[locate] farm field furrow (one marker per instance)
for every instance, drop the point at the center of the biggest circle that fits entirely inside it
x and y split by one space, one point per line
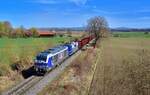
123 68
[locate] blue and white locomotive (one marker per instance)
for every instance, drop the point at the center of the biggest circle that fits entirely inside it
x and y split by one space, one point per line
50 58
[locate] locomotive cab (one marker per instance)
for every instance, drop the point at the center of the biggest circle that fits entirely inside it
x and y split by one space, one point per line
42 62
49 59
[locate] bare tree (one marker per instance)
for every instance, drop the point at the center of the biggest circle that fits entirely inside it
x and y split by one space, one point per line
8 28
69 33
98 26
5 28
20 32
34 32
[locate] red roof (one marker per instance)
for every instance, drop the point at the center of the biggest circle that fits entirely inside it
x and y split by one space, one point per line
46 33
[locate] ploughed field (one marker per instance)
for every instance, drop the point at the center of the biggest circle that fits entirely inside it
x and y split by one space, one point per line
123 67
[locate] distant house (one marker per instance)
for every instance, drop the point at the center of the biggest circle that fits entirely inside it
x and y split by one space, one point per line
45 33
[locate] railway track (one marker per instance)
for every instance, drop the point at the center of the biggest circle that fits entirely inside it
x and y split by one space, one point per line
35 84
24 86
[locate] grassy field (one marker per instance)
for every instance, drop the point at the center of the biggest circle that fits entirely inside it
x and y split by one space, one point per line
16 46
131 34
123 67
21 51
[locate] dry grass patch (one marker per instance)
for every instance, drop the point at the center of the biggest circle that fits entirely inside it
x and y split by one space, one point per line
9 79
123 70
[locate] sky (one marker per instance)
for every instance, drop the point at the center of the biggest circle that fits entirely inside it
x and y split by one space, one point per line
75 13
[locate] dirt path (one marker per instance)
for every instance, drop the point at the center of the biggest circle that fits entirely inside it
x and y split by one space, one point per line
97 80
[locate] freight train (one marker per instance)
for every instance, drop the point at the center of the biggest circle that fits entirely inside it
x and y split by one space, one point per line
49 59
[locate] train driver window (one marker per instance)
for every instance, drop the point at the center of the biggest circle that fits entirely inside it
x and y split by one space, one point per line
65 53
55 58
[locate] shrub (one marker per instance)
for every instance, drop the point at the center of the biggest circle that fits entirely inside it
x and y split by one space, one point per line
146 33
34 32
13 34
5 28
0 34
69 33
23 60
116 35
4 69
19 32
61 35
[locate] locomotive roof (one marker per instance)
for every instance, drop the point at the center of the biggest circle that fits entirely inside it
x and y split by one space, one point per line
44 54
52 50
56 49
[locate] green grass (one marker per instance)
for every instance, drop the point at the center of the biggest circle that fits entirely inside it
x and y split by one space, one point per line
12 49
131 34
21 52
29 41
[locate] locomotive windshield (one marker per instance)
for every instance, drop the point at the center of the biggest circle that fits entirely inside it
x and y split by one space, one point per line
41 58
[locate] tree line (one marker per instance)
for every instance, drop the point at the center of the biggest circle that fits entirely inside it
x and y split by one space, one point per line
6 30
96 25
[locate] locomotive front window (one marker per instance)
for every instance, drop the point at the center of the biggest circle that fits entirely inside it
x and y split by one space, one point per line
55 58
41 58
65 53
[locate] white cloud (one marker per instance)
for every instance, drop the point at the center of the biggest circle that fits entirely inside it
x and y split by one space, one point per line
46 1
79 2
119 12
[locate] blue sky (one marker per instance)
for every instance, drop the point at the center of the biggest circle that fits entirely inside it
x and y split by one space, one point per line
74 13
